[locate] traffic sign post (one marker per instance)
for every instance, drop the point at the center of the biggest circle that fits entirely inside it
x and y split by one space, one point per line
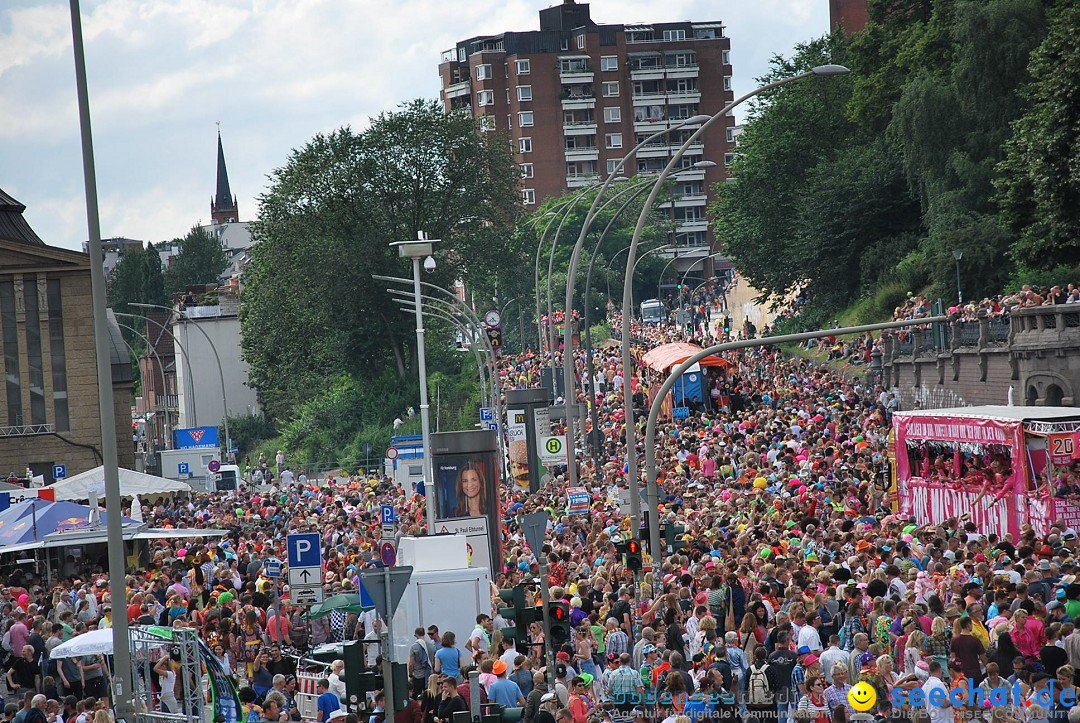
183 468
273 568
487 414
386 586
388 552
391 452
214 466
305 568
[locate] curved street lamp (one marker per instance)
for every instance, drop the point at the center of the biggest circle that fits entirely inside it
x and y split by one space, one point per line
628 401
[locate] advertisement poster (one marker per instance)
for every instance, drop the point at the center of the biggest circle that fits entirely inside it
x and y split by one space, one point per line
475 530
465 486
517 434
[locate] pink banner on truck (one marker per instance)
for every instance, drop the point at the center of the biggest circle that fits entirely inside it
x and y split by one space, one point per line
913 429
933 503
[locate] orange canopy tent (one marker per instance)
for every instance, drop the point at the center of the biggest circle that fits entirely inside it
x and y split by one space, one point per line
666 356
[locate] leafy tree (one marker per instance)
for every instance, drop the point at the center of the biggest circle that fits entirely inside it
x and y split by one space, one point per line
311 310
1039 183
201 260
137 278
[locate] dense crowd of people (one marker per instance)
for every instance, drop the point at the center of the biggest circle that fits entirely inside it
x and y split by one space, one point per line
793 580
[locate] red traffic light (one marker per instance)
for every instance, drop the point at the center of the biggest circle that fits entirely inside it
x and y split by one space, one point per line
633 547
558 613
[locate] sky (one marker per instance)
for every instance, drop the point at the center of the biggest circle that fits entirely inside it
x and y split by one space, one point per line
163 73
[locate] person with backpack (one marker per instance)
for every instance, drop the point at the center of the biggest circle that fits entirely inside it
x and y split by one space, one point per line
420 668
761 689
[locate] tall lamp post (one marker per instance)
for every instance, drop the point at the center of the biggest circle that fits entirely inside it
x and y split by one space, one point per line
417 250
628 399
122 680
221 372
959 295
185 358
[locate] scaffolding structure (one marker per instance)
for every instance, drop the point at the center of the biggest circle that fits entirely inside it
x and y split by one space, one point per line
147 648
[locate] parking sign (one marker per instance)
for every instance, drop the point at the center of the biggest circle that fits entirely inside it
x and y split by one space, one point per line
59 471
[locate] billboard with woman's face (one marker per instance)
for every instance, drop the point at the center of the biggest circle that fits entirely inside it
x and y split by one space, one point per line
464 485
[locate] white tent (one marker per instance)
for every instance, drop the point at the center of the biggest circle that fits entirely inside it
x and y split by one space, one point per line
132 483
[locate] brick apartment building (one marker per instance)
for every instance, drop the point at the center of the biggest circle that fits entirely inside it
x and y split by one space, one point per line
575 96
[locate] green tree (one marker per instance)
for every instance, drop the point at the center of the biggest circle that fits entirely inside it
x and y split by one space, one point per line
201 260
137 278
1039 182
311 311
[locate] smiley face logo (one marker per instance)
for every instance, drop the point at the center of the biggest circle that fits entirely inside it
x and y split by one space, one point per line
862 696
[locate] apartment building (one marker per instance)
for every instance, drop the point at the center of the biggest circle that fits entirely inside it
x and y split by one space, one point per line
576 96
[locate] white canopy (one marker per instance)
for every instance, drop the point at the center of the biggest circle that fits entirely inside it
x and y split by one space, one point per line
131 483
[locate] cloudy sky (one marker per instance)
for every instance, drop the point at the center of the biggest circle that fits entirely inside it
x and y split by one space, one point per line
273 72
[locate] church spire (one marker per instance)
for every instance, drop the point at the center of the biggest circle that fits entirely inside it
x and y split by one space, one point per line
223 204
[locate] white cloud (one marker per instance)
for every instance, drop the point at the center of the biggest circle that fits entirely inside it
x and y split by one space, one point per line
274 72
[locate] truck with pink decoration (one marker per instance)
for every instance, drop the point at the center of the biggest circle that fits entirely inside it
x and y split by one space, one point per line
999 467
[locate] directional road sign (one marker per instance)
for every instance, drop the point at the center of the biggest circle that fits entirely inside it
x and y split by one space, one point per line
272 568
305 550
487 414
59 471
305 577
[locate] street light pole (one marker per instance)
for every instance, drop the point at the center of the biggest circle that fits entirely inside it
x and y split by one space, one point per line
122 681
417 250
627 310
677 372
161 368
221 372
959 296
185 357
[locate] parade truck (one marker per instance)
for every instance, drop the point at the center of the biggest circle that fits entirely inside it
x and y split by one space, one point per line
1001 467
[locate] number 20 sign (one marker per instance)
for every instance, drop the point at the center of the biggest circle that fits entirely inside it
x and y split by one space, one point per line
1062 448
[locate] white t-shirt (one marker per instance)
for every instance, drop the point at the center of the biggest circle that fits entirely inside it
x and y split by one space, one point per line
808 636
943 712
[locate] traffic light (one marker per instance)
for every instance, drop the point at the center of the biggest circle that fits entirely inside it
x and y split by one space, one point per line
633 555
522 613
672 535
727 324
559 614
495 336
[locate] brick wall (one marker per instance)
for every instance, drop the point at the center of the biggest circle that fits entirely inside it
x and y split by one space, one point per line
956 379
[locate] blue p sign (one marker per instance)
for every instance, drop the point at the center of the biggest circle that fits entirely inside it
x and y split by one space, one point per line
183 468
59 471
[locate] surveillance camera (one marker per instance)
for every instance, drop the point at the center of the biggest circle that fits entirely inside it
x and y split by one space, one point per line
429 264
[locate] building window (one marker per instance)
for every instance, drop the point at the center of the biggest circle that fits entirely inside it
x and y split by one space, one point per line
730 135
487 122
524 67
564 44
681 60
727 82
524 92
485 97
729 158
61 421
35 369
526 170
525 118
11 353
483 72
611 88
506 70
614 140
613 115
609 62
528 196
612 165
726 57
581 42
674 35
524 145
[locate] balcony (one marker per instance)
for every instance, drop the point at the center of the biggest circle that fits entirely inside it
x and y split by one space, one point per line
578 180
458 89
687 226
649 72
576 76
656 97
684 96
691 174
687 200
689 70
584 153
167 402
654 150
578 102
579 128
